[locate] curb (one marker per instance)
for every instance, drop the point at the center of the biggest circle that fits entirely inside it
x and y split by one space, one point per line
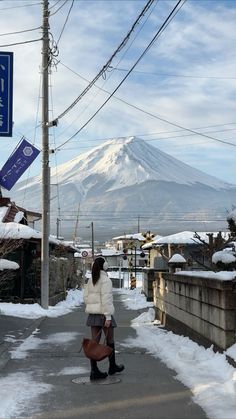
5 347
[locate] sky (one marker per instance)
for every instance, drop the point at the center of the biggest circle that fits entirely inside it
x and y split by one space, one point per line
186 78
213 382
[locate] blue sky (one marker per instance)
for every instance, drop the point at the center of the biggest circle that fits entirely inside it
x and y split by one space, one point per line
187 78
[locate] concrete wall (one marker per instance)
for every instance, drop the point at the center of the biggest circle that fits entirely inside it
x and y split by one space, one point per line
197 306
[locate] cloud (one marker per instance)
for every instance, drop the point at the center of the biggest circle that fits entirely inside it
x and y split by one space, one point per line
198 42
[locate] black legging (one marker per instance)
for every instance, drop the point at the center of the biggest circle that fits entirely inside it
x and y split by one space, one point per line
96 332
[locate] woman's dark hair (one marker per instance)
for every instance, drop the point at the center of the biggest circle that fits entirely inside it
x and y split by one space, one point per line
96 268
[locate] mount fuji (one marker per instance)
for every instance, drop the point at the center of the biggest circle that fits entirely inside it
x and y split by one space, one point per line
126 182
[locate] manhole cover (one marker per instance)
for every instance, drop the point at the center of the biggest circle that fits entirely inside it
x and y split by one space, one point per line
87 381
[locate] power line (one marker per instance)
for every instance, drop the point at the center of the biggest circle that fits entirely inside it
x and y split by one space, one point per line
67 17
174 11
20 43
141 213
110 73
127 103
150 139
54 5
150 114
18 7
59 8
23 31
124 41
173 75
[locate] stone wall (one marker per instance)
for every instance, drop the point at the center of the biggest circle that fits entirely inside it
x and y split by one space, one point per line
63 275
149 275
201 307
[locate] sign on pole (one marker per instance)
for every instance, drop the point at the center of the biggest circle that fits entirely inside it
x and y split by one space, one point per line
84 254
17 164
6 93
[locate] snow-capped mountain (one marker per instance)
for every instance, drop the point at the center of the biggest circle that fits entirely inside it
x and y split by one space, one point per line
122 179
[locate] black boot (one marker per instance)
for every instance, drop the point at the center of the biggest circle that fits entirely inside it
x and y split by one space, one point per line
113 367
96 374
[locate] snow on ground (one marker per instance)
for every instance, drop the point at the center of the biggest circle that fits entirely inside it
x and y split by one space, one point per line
33 342
34 311
209 376
72 371
134 300
18 392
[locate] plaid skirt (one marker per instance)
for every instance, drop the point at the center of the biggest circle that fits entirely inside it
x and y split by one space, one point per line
99 320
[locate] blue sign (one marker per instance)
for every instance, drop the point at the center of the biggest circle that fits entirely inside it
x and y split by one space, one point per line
17 164
6 93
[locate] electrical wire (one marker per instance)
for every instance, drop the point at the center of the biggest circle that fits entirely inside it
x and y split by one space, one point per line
173 75
55 156
105 67
174 11
34 140
67 17
20 43
59 8
23 31
54 5
147 113
119 139
111 73
18 7
127 103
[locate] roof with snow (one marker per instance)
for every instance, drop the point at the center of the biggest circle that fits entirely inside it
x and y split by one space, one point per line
10 212
8 264
18 231
184 237
135 236
177 258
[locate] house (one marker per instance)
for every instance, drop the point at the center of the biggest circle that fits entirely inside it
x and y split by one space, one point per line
132 246
10 212
22 244
194 247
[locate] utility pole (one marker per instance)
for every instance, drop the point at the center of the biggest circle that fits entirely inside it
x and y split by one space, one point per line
92 240
58 227
76 225
45 163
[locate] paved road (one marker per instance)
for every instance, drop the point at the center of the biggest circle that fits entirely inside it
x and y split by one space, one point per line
147 388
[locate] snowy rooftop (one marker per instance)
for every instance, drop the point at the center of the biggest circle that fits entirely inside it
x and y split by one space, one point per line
184 237
3 211
7 264
110 252
135 236
18 231
177 258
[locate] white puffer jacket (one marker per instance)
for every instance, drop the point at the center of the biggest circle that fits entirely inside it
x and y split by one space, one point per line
98 298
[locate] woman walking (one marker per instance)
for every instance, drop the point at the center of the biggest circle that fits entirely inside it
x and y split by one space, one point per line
99 306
